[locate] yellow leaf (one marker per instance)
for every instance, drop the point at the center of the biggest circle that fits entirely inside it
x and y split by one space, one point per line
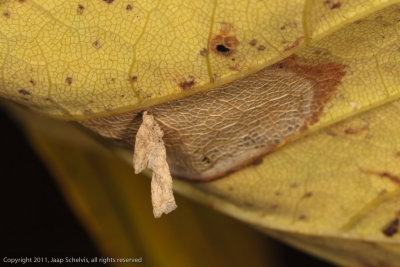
334 191
85 59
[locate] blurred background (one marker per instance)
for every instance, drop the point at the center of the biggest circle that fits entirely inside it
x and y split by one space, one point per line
37 221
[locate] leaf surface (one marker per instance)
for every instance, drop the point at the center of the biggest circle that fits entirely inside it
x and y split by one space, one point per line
333 192
90 58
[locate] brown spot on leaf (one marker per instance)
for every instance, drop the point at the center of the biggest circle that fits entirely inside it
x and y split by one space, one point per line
308 195
357 131
96 44
187 85
109 1
68 80
24 92
261 48
248 204
330 132
302 217
133 79
6 14
129 7
204 52
390 176
293 45
253 42
327 77
33 82
257 161
392 228
336 5
80 9
386 175
332 5
224 44
350 131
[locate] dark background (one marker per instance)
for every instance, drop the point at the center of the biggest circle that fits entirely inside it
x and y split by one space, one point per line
36 221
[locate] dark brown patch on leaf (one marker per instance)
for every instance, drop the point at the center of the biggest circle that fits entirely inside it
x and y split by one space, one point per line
293 45
332 5
133 79
308 195
261 48
96 44
392 228
6 14
257 161
24 92
129 7
68 80
386 175
248 204
80 9
327 77
108 1
204 52
224 44
352 131
330 132
187 85
302 217
253 42
33 82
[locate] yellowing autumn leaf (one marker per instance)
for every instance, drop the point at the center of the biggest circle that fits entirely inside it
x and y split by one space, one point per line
308 90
